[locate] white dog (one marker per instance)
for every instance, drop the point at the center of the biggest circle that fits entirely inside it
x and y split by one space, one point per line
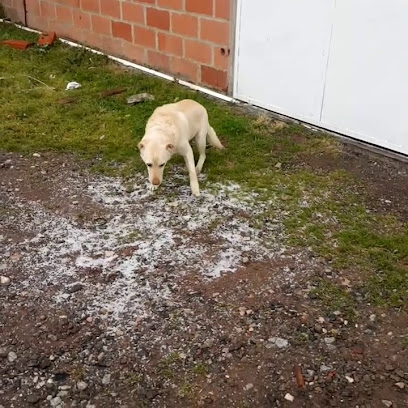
169 131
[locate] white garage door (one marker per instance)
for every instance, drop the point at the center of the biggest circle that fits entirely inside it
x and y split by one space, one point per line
339 64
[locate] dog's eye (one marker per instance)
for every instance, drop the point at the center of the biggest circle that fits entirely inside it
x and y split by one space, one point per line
149 164
162 165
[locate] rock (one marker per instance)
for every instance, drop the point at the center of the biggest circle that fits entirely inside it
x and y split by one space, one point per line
373 318
36 155
387 403
142 97
4 280
81 385
55 402
75 288
324 368
349 379
329 340
389 367
289 397
248 387
318 328
12 356
400 385
279 342
245 260
3 352
106 379
278 166
33 398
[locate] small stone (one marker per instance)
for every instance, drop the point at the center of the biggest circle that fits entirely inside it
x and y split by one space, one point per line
318 328
33 398
373 318
106 379
248 387
81 385
75 202
36 155
389 367
245 260
400 385
75 288
289 397
324 368
3 352
5 281
278 166
329 340
349 379
242 311
279 342
142 97
55 402
12 356
387 403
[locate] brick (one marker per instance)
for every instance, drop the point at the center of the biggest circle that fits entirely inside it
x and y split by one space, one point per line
110 8
144 36
47 10
64 14
101 25
184 24
158 18
33 8
197 51
122 30
215 78
223 9
158 60
135 13
134 52
69 3
81 20
90 5
200 6
92 39
112 45
171 4
184 69
214 31
170 44
221 58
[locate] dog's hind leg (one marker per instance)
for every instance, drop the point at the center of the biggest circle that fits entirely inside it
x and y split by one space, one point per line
189 159
201 142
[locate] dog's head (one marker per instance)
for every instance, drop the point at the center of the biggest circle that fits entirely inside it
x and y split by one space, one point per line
155 155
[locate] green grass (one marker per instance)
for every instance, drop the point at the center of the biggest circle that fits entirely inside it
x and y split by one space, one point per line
321 211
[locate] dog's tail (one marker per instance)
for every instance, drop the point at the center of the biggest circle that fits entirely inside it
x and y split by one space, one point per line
213 138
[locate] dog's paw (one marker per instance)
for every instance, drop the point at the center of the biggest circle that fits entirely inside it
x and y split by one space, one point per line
152 187
196 193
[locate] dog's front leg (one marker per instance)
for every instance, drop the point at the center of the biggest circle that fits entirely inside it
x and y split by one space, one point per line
189 159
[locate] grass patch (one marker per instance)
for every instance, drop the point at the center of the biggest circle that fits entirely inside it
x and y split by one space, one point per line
320 211
334 298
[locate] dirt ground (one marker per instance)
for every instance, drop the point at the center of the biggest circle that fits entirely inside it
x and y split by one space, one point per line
114 297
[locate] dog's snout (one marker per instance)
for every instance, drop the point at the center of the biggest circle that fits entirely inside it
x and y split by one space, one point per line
155 181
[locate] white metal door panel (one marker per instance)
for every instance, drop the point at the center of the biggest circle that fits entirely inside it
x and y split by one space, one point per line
366 93
281 54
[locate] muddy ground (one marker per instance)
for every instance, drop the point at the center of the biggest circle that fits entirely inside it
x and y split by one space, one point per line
114 297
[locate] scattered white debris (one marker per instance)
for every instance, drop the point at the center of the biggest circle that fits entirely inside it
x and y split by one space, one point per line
349 379
72 85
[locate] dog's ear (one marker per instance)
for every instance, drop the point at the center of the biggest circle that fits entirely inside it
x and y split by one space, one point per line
170 147
140 146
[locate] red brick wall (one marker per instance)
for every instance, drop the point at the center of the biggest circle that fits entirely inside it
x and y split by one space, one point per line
187 38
